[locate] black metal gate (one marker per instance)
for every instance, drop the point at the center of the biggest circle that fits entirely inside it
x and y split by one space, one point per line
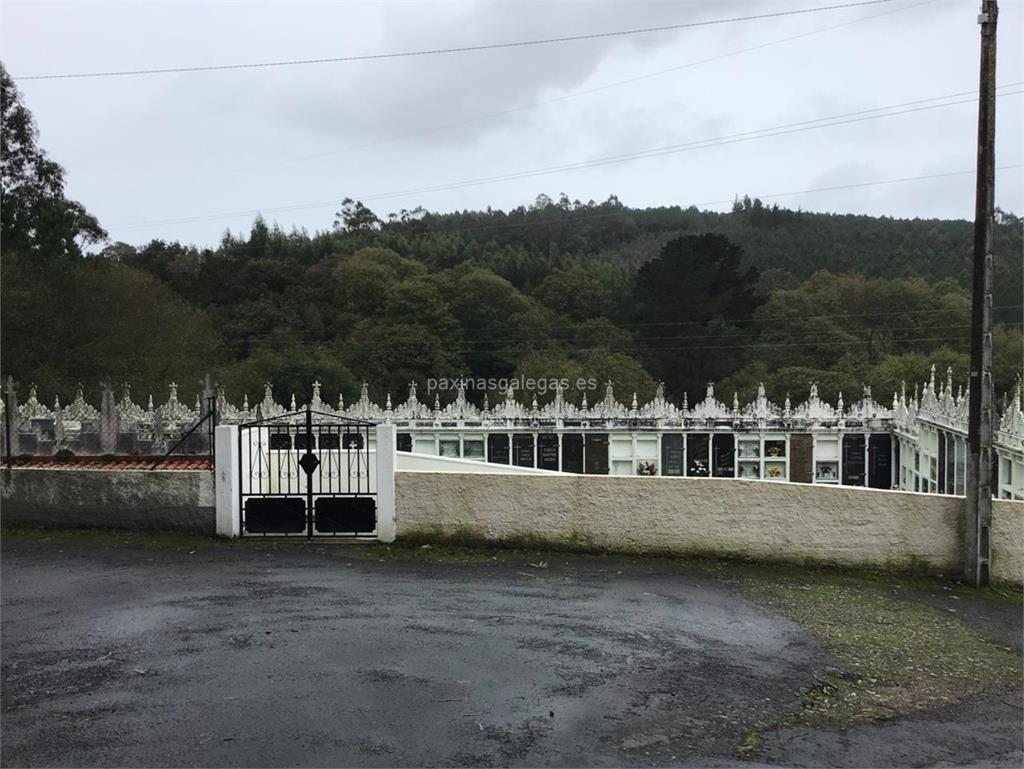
307 474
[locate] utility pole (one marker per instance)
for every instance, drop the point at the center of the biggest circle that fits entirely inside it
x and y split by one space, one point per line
978 519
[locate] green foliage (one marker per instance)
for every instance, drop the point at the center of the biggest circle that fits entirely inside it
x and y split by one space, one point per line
289 371
390 354
363 280
830 316
575 293
558 289
35 216
62 324
499 322
914 368
355 217
418 301
587 373
691 299
1007 359
793 381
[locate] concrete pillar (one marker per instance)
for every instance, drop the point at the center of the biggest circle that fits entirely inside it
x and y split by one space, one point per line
229 518
12 420
386 447
109 427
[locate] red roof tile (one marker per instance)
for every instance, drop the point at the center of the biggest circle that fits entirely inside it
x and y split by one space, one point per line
111 463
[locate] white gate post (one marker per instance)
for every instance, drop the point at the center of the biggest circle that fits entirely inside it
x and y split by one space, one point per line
386 445
226 462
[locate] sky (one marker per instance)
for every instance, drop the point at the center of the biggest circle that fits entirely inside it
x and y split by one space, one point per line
186 156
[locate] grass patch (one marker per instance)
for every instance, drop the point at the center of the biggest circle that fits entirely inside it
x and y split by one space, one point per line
898 656
467 548
886 580
457 551
175 540
751 744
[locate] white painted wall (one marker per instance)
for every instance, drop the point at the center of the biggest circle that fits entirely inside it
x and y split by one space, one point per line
758 519
385 467
225 443
432 463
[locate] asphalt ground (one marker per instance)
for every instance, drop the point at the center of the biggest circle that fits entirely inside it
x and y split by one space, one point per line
124 653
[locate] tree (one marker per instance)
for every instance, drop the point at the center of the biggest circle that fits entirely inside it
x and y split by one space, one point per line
592 368
914 368
35 216
99 321
390 354
626 374
794 381
290 370
575 293
691 300
486 292
499 322
418 300
355 217
364 279
601 334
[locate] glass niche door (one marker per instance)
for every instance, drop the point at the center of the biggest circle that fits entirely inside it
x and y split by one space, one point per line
698 455
547 451
748 457
673 454
572 453
723 456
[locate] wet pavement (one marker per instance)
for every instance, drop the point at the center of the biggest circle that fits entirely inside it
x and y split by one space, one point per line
242 655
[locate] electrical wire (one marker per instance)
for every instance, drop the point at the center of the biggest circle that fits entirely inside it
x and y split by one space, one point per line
571 220
775 318
566 97
349 346
781 130
483 345
451 49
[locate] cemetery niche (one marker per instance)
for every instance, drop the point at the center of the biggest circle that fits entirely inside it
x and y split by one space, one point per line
916 444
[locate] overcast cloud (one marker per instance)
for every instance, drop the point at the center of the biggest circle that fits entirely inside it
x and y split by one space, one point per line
202 145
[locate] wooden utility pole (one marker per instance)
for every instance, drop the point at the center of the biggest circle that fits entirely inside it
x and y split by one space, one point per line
978 519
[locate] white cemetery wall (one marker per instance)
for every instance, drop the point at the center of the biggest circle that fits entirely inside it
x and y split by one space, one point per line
756 519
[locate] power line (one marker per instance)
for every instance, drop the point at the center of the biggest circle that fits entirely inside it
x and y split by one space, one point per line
847 118
348 346
674 149
484 345
569 221
611 348
453 49
875 183
825 316
467 345
572 95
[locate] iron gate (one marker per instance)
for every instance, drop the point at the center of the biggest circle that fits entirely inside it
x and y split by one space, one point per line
307 473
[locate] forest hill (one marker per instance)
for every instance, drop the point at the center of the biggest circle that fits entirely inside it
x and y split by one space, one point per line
556 290
560 289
